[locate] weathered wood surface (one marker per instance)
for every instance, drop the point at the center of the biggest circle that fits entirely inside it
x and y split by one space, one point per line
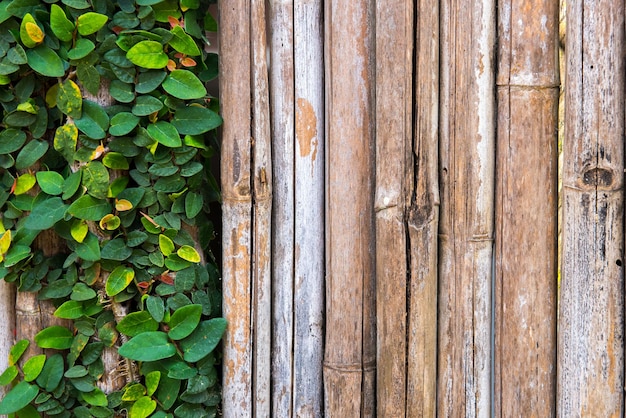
394 138
467 155
423 217
283 249
235 87
7 326
261 171
308 346
526 208
350 344
591 308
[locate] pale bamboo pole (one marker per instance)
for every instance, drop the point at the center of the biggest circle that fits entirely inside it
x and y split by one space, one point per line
590 377
283 248
394 177
235 101
423 218
350 351
467 153
262 213
308 346
526 208
7 325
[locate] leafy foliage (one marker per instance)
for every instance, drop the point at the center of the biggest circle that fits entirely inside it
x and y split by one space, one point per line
124 183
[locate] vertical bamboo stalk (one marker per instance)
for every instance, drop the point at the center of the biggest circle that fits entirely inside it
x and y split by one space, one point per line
283 248
467 154
423 219
526 208
262 213
235 86
309 208
590 377
394 137
350 352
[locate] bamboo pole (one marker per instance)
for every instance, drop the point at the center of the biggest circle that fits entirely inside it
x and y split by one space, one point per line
309 206
394 137
423 220
526 208
283 248
590 377
262 212
235 86
466 216
350 351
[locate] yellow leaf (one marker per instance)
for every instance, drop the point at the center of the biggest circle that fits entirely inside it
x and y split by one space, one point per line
24 183
5 242
122 205
79 230
51 96
34 32
187 252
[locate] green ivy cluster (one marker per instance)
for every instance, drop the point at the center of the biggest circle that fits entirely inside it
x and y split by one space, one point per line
124 184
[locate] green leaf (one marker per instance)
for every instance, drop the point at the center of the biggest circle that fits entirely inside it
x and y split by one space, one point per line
89 208
123 123
175 263
183 43
143 407
122 92
82 48
95 398
16 254
90 22
148 346
119 279
133 392
17 351
203 340
45 214
116 249
89 249
193 204
45 61
70 99
148 54
136 323
188 253
50 182
56 336
164 9
156 307
30 154
65 140
148 2
52 373
195 120
94 121
165 133
96 179
166 245
61 26
89 77
11 140
8 375
21 395
82 292
19 118
70 309
33 367
17 55
184 321
115 160
184 84
149 81
146 105
76 371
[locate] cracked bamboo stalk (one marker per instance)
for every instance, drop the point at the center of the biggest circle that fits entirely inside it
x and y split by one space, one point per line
467 155
590 376
526 208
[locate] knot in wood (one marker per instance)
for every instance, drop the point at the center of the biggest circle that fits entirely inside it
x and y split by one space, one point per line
598 177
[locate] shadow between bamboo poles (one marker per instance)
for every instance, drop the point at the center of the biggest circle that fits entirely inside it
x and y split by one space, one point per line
423 218
283 246
308 295
526 208
349 357
467 119
590 377
235 93
394 176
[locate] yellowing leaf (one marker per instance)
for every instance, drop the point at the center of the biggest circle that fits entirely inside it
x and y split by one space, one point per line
51 95
24 183
166 245
5 243
109 222
122 205
34 32
188 253
65 140
79 230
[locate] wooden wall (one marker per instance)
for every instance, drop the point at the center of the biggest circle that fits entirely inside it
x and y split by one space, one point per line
390 183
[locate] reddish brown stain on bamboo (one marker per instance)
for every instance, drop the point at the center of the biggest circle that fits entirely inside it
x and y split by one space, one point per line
306 128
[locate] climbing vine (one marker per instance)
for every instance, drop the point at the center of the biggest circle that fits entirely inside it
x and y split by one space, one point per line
106 131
